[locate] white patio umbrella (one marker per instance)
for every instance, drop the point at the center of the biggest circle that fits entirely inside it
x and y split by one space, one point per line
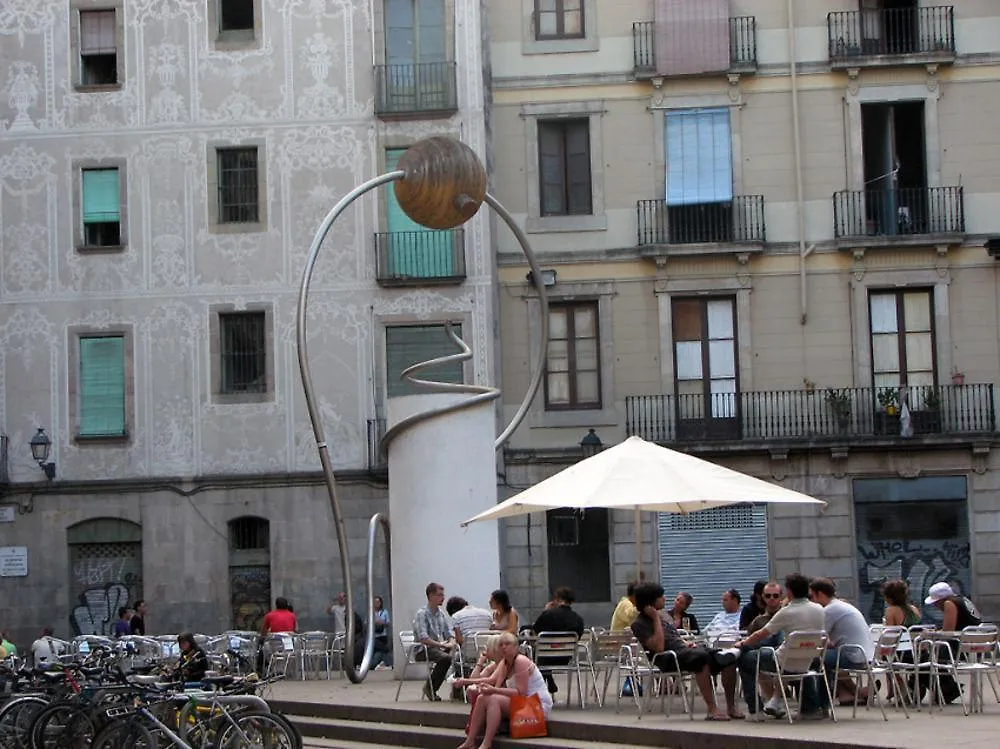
639 475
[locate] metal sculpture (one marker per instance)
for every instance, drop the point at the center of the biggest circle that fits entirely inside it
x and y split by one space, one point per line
440 183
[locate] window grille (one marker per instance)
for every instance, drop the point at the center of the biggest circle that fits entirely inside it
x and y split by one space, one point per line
238 187
734 517
243 350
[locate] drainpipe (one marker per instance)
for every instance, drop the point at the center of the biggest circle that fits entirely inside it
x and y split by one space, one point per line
797 143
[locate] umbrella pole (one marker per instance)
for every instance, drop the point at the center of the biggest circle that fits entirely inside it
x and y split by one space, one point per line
638 544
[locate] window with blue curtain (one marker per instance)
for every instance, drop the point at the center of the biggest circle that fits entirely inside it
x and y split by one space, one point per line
699 157
102 386
101 200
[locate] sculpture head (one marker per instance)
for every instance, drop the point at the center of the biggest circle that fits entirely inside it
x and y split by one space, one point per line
445 183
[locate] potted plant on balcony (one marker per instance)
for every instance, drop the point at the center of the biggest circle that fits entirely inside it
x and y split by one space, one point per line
887 417
839 401
927 417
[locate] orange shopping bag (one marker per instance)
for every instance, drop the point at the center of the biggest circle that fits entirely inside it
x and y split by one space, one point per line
527 719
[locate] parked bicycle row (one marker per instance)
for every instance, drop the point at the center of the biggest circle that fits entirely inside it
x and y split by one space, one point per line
126 693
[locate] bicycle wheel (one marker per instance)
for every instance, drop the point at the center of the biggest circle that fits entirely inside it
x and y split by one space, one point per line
61 727
16 718
125 733
257 730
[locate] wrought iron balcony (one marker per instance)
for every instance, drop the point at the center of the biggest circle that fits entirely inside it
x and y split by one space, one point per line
410 258
742 46
425 88
824 414
738 220
901 212
882 36
376 460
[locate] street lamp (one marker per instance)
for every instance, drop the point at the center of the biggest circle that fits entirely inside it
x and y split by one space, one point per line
40 445
591 444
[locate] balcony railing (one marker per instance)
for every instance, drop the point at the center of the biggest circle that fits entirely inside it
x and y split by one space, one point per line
833 415
376 431
893 32
901 212
738 220
405 258
417 88
742 45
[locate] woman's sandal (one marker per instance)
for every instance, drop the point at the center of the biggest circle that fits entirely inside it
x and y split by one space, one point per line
721 717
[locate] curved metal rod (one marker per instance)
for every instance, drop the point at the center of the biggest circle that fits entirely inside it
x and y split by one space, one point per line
377 520
543 340
314 417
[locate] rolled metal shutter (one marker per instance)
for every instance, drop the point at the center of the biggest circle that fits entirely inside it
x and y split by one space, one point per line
710 551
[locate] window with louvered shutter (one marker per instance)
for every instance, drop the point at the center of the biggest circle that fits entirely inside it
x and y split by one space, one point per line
98 48
102 386
406 345
101 207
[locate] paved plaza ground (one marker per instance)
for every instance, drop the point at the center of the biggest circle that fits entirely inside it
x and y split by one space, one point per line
372 701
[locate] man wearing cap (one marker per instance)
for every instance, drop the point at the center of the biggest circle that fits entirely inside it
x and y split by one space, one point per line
959 613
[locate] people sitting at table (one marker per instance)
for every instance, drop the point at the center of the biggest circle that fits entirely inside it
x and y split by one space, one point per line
435 630
959 612
899 610
754 607
625 612
747 664
468 619
727 620
799 615
679 614
493 701
844 626
505 616
558 616
658 636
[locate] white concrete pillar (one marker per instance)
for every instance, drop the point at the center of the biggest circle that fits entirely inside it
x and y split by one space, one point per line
441 472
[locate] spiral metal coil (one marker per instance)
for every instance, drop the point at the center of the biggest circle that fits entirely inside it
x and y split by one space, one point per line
477 395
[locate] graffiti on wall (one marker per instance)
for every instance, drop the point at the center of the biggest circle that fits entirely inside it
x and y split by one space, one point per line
89 572
98 609
251 595
920 562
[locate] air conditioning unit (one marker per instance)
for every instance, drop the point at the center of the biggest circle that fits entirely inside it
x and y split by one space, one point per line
993 247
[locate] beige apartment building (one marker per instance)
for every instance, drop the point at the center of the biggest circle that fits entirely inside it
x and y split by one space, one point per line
164 165
778 267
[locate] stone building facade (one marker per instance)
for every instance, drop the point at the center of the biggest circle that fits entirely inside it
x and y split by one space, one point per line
164 165
780 268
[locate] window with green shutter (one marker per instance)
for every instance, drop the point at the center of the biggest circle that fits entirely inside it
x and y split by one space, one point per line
101 207
102 386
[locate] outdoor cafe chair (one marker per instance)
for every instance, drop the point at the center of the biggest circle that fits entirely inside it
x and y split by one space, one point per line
314 653
881 666
564 647
605 659
279 651
634 667
798 646
976 657
414 654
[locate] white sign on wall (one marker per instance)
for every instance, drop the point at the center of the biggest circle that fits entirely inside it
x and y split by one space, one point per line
13 561
7 514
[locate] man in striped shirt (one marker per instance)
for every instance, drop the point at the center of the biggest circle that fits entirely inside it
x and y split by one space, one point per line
468 619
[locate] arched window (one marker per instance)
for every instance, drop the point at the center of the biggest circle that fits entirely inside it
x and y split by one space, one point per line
105 561
249 571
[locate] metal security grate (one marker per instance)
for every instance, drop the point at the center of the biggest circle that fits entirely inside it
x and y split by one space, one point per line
244 352
249 533
737 516
238 193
